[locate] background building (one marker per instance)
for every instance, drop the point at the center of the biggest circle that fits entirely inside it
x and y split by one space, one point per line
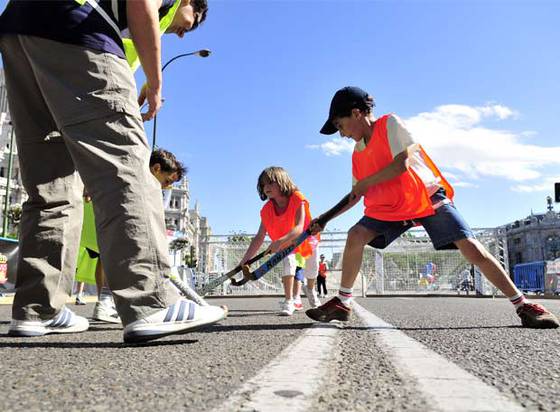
535 238
8 152
187 224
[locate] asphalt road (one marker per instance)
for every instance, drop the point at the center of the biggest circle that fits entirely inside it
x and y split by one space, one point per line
95 371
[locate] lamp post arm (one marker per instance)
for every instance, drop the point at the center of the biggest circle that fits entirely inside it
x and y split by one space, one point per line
201 53
177 57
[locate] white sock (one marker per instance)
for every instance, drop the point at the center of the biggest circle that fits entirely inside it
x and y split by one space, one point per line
518 300
345 296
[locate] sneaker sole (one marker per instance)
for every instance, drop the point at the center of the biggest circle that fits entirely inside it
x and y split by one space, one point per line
148 332
25 333
31 332
106 319
543 324
317 317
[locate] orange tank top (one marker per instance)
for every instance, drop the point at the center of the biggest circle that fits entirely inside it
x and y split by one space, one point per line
277 225
402 198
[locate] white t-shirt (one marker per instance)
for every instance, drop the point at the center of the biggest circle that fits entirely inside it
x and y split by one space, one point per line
399 139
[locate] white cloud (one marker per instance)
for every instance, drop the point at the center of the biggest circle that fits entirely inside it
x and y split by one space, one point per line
334 147
545 185
463 184
456 138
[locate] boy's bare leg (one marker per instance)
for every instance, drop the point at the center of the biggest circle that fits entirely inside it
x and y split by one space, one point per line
532 314
339 308
477 254
358 237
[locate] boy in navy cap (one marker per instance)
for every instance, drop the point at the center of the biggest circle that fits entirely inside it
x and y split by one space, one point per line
402 187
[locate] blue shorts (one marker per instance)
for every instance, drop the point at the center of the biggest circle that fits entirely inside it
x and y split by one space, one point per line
444 228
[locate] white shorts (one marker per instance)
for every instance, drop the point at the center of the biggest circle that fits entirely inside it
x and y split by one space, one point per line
311 265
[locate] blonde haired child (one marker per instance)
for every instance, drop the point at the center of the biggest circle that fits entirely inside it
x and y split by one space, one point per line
284 217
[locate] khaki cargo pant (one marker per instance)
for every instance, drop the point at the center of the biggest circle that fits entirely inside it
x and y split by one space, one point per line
75 115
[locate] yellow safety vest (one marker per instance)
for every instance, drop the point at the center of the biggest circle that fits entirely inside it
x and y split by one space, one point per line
129 48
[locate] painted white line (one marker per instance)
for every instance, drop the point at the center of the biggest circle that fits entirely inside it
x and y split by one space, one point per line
289 381
446 386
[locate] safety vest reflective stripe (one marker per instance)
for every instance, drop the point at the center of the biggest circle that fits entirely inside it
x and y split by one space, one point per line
115 8
129 49
164 23
95 5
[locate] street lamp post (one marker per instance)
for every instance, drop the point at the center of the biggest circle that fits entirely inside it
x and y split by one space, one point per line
200 53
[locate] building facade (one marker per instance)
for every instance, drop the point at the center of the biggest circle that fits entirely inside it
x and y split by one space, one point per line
10 177
535 238
185 223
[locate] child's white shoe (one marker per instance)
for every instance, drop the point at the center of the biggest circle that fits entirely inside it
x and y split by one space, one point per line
287 308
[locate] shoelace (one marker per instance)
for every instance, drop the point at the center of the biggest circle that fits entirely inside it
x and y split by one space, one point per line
535 307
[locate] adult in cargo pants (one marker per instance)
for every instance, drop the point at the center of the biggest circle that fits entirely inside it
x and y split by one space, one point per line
75 114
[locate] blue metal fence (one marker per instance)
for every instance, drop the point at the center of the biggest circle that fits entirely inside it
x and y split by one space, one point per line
529 277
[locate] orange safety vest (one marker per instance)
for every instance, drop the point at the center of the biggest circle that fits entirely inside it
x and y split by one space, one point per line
278 225
402 198
323 269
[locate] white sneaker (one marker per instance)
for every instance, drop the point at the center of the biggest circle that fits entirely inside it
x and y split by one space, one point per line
298 306
287 308
80 300
104 311
65 321
181 317
311 294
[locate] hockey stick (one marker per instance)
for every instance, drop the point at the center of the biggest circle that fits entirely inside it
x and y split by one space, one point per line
218 281
277 258
185 289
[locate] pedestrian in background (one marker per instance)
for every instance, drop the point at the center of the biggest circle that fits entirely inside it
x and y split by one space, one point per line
322 277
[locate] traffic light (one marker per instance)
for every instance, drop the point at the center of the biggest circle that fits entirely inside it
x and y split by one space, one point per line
557 192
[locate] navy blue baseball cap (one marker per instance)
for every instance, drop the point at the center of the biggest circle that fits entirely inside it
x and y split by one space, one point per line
343 101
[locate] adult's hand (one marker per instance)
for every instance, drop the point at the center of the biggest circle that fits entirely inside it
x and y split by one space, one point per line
143 24
151 95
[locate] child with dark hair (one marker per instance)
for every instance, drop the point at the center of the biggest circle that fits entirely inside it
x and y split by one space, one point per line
284 217
167 170
402 187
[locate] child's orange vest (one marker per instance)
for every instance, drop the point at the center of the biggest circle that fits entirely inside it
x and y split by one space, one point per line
278 225
402 198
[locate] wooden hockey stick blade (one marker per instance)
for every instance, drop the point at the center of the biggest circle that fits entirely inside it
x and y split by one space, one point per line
246 276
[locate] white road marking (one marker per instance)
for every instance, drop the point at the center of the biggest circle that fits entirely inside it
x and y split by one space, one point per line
290 380
446 386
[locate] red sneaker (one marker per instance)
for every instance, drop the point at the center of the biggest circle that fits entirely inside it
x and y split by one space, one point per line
334 309
536 316
298 305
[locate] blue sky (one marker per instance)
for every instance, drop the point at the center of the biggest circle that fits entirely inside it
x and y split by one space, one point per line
475 81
